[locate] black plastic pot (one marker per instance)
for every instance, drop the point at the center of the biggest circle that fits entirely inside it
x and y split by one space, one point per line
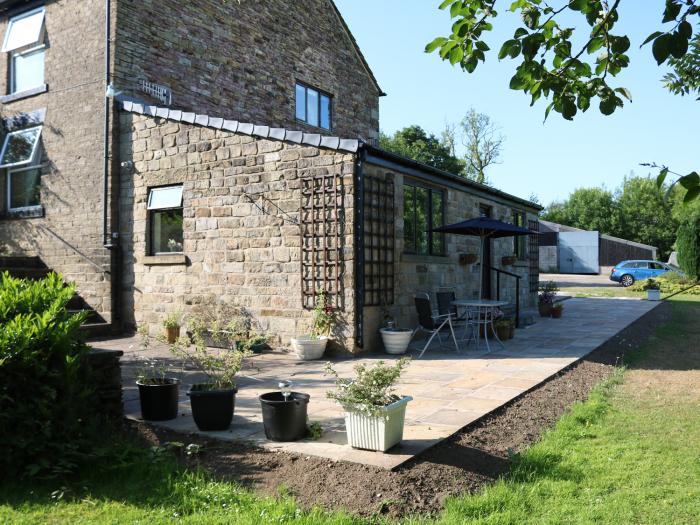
284 420
212 409
159 401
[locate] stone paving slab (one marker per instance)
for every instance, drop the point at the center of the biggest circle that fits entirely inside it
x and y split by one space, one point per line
450 390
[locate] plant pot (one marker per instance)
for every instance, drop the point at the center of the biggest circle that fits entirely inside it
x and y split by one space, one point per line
284 419
511 331
503 332
653 295
159 402
308 348
212 409
172 334
556 313
379 432
545 309
508 260
396 340
468 258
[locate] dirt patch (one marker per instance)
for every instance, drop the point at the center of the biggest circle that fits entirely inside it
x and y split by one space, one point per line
467 461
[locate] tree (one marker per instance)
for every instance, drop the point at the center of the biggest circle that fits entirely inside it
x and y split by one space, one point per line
688 243
587 208
413 142
685 78
573 71
483 144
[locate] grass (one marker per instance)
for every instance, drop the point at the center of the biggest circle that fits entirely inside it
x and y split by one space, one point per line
626 455
601 291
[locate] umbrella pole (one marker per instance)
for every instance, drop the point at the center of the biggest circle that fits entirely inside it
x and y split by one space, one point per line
481 266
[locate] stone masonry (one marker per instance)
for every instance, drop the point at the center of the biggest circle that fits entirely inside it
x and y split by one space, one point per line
238 248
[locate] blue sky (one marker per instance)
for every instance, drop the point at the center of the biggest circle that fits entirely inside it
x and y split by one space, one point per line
546 159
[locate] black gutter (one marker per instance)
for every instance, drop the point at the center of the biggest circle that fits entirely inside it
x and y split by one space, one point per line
106 237
359 247
417 169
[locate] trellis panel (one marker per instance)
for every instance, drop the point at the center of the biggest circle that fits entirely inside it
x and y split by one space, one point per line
379 240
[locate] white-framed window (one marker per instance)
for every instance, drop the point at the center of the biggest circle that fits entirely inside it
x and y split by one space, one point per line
24 40
165 220
313 106
20 156
23 188
20 148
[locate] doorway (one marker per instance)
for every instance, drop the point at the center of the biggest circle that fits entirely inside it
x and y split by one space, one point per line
486 211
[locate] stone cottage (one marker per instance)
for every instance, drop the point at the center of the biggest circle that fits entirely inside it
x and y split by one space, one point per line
206 153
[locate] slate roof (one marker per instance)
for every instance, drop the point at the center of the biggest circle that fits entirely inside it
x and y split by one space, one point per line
245 128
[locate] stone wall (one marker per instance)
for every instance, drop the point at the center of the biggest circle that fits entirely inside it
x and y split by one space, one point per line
71 140
105 372
419 273
240 251
242 59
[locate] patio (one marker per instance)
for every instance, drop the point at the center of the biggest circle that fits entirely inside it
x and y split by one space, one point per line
450 390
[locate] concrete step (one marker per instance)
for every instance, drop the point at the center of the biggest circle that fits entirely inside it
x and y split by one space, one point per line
7 262
97 330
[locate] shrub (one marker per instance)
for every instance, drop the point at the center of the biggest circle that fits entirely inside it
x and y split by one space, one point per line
688 245
45 403
668 283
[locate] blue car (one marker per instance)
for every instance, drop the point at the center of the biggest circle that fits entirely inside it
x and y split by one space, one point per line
627 272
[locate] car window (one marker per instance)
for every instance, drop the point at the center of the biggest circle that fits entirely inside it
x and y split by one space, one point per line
656 266
636 264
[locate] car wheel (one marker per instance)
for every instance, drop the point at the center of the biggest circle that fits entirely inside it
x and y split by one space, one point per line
626 280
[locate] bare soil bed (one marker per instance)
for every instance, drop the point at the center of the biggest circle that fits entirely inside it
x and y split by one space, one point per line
475 456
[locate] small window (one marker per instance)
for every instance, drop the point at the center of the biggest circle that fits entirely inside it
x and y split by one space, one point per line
313 106
24 40
518 240
165 220
23 189
20 147
423 210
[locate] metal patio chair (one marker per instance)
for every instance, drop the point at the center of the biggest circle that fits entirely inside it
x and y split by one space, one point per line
431 321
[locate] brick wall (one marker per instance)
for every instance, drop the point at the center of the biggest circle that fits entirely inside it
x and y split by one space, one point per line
242 59
71 183
234 253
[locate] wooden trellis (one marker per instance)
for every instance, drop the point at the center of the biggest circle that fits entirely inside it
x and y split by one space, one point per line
534 256
321 226
378 240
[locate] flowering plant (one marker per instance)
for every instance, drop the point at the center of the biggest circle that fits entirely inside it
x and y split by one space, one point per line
548 291
325 316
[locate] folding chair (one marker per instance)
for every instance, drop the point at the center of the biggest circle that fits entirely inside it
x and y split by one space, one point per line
431 322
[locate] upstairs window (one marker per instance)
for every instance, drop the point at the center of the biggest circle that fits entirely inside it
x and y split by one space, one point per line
20 156
423 210
165 220
24 40
313 106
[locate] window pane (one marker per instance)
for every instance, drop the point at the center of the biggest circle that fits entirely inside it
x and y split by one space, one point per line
312 107
166 231
161 198
24 30
422 214
409 220
325 112
24 188
301 102
27 70
438 247
19 147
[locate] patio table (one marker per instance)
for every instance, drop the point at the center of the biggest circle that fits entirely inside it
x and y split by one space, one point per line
480 312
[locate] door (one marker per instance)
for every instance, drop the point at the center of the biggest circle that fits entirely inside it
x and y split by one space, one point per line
578 252
656 269
486 258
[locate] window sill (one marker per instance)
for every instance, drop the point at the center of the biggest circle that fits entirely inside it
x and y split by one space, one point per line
164 260
35 212
6 99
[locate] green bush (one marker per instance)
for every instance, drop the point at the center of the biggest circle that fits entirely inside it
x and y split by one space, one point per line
45 401
669 283
688 245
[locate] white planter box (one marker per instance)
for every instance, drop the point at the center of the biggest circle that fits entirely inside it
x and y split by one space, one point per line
395 341
308 348
377 433
653 295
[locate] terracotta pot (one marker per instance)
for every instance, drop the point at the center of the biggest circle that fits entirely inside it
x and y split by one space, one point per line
556 313
503 332
172 334
545 309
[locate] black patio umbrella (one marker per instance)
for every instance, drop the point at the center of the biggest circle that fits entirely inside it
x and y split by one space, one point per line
484 228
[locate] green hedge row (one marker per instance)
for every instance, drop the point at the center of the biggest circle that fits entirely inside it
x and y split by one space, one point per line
46 408
669 283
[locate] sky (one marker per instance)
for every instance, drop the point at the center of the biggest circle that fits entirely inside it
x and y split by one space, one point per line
547 159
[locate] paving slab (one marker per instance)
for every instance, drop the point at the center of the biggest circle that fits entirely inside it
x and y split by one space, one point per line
450 389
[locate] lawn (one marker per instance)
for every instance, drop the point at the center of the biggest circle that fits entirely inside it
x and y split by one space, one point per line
600 291
626 455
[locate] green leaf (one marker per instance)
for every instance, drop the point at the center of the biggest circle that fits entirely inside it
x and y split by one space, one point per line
505 48
689 181
661 48
624 92
691 194
520 32
653 36
619 44
607 106
672 10
685 29
518 82
445 3
595 44
438 42
456 55
679 45
661 177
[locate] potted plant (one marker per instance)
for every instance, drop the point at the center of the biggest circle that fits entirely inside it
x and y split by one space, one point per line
284 413
509 260
395 339
653 289
172 327
545 298
238 333
374 415
504 329
312 346
159 393
212 401
557 309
